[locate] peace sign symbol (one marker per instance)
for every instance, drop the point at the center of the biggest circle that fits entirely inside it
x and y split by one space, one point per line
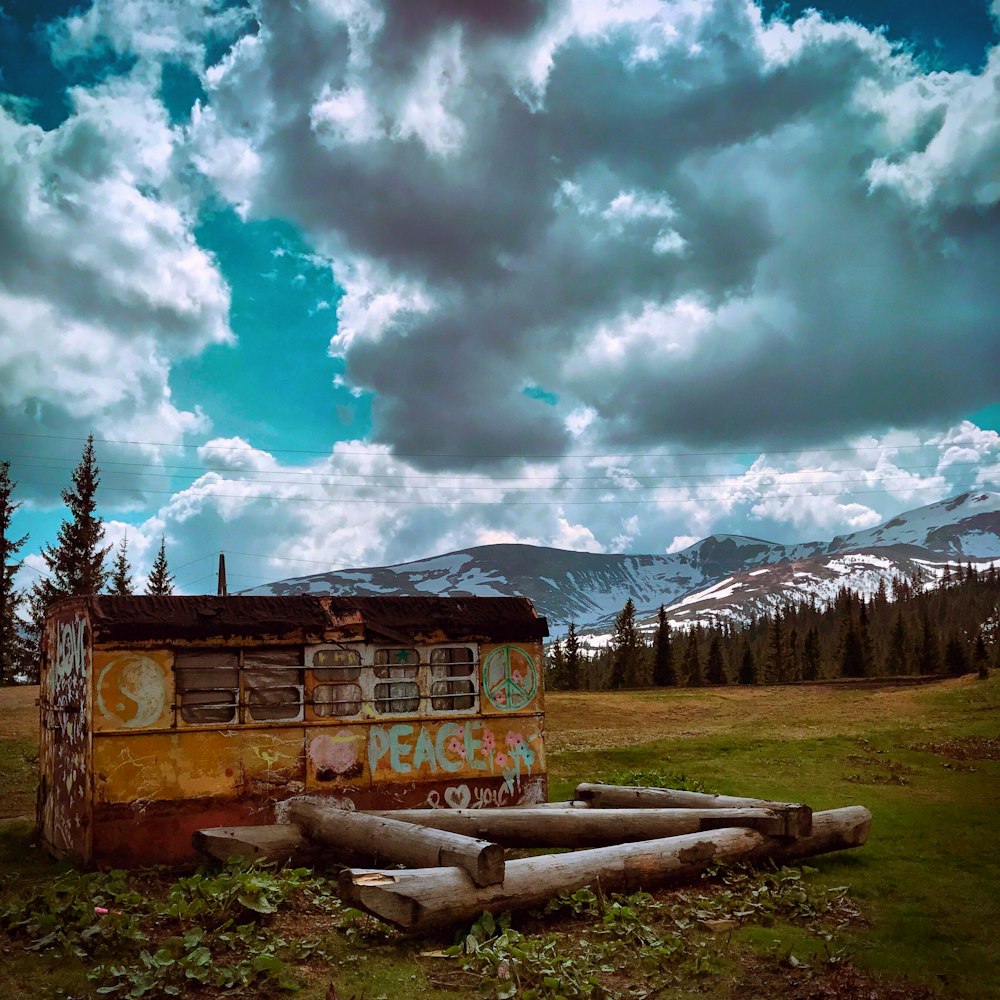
510 678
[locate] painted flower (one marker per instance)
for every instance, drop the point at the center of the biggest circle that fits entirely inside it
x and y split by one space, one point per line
516 676
500 696
457 746
489 741
502 760
513 740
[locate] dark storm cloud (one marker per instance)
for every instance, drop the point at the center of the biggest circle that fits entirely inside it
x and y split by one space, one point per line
809 192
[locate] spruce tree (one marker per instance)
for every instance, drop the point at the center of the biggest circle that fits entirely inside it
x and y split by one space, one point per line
929 653
715 666
776 650
955 660
811 655
692 661
980 658
120 584
898 658
664 674
557 667
574 664
626 647
76 562
14 652
160 582
748 666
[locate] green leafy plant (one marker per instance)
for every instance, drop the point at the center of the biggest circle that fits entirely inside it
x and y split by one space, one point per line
211 928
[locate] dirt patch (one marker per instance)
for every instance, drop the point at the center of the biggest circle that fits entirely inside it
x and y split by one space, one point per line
965 748
839 981
18 712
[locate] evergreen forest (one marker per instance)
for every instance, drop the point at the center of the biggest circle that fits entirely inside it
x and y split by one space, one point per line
903 630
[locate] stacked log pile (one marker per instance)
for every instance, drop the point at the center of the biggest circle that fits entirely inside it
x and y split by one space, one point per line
623 838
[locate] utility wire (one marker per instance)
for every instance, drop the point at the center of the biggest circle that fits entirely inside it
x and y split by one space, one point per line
506 501
467 455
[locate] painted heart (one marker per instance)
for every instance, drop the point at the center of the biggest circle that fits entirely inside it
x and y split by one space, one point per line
457 797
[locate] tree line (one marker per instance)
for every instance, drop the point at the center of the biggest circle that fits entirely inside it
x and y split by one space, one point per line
901 630
76 565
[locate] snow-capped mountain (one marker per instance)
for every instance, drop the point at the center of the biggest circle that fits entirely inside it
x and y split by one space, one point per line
731 576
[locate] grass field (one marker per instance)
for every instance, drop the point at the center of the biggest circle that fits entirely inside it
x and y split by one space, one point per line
919 917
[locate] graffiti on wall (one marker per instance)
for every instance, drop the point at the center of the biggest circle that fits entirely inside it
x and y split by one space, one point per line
65 737
426 750
510 678
131 691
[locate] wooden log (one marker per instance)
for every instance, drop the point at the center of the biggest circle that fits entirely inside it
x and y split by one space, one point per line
798 817
273 842
832 830
424 900
399 842
571 827
421 900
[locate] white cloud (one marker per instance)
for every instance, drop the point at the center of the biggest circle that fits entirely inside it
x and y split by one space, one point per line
681 542
102 284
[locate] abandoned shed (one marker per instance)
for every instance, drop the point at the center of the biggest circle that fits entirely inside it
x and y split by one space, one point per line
164 715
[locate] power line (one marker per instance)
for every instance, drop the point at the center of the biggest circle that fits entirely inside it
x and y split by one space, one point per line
469 455
544 482
507 502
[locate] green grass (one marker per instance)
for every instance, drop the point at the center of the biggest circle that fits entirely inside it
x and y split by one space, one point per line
927 883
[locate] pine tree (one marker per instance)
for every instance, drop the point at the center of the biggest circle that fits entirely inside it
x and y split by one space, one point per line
898 660
160 582
715 666
692 661
574 663
929 654
980 658
121 573
811 655
626 647
776 650
76 562
14 652
664 674
852 657
955 660
557 667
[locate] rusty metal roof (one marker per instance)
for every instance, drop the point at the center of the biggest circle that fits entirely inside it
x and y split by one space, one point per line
306 618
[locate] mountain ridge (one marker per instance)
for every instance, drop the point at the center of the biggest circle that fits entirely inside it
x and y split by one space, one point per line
590 588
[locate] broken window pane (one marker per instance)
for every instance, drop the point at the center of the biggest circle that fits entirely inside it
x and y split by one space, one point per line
207 686
273 682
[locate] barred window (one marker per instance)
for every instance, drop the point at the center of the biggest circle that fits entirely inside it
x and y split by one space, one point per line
336 676
399 668
273 682
208 685
452 684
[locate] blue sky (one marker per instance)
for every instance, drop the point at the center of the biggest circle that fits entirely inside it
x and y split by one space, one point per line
364 281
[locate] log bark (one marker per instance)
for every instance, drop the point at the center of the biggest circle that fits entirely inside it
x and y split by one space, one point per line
399 842
274 842
798 817
832 830
572 827
425 900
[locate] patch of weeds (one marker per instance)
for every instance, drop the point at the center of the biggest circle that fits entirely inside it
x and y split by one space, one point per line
212 928
655 778
628 945
885 770
509 964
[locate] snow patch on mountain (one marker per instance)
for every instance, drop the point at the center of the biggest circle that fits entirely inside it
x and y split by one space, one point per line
721 577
